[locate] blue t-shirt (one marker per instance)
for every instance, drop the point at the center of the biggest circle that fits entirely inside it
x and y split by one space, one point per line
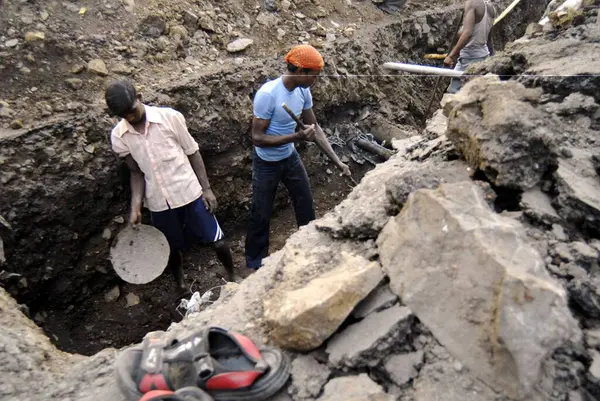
267 106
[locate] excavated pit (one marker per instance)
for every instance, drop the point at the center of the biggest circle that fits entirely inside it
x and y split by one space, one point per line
64 194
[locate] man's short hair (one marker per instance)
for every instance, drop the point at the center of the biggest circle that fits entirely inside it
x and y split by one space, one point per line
120 97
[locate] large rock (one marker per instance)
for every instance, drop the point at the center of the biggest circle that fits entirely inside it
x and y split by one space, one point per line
302 319
382 193
498 130
470 276
578 186
354 388
370 339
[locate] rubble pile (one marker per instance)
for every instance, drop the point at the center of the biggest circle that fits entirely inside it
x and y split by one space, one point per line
423 285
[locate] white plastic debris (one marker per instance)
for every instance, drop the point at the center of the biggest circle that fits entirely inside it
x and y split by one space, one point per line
196 303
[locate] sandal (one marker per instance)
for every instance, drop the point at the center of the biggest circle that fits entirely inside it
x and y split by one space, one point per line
225 364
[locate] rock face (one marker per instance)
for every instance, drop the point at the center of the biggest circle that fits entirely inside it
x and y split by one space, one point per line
302 319
495 307
497 129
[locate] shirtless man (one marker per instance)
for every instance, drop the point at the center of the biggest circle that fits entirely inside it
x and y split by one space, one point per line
475 41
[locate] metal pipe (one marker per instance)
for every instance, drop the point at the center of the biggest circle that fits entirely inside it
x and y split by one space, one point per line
423 69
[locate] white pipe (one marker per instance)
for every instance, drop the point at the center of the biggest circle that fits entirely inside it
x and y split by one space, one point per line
423 69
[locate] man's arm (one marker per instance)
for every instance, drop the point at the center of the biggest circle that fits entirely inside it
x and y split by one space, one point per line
490 42
210 200
138 186
308 117
465 36
261 139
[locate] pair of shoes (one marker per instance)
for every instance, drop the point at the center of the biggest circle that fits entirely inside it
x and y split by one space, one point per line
218 364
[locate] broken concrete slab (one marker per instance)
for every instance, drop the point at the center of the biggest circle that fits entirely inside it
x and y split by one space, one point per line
367 341
441 381
302 319
403 367
578 186
308 378
494 125
380 298
495 306
354 388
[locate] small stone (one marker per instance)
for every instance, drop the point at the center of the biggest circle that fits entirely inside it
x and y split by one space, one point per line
74 83
129 5
44 15
30 58
404 367
354 388
34 36
23 283
132 300
106 234
300 15
119 220
280 33
121 69
285 5
592 338
5 111
559 232
11 42
77 68
113 294
16 124
533 28
308 377
239 45
595 368
98 67
91 148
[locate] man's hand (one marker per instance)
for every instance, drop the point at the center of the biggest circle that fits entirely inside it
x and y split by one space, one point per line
449 61
307 134
345 169
135 217
210 200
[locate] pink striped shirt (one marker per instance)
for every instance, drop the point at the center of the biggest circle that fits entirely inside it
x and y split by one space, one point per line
161 152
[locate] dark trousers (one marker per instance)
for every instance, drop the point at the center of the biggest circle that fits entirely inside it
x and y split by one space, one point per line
265 179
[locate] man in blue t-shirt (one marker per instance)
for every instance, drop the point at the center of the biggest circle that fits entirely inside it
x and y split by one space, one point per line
275 158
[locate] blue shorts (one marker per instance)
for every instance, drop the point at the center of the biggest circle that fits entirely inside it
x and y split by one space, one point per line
188 222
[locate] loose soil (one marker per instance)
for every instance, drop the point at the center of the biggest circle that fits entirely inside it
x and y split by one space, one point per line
96 323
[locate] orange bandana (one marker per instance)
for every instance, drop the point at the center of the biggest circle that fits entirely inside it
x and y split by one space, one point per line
305 56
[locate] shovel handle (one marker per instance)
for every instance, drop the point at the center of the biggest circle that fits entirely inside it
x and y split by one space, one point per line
294 117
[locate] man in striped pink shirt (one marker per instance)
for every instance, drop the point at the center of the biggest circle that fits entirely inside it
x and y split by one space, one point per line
167 172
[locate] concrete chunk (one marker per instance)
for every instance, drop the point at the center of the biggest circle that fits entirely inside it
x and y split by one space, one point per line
302 319
370 339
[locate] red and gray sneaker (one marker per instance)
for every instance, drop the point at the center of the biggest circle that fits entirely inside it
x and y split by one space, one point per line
224 364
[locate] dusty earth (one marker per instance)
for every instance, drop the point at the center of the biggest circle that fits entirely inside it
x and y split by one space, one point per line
466 267
63 194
